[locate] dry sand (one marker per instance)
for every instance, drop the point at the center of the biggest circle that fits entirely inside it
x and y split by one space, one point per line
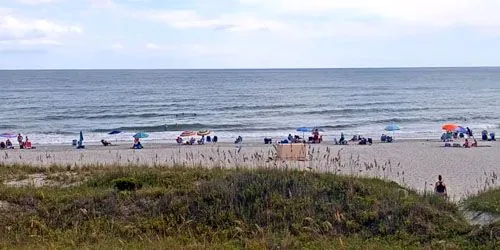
412 163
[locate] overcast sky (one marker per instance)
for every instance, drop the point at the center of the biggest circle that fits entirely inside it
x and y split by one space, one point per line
248 33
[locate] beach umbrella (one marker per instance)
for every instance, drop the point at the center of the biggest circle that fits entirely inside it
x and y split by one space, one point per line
141 135
188 133
204 132
449 127
8 135
81 136
461 129
115 132
304 130
392 128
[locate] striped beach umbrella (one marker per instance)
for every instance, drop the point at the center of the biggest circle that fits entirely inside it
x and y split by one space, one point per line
188 133
204 132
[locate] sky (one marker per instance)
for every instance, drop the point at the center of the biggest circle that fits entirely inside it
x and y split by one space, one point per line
111 34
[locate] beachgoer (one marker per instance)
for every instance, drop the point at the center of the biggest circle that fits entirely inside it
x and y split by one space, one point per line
290 138
8 144
469 132
440 187
474 144
20 140
105 143
2 145
316 136
466 144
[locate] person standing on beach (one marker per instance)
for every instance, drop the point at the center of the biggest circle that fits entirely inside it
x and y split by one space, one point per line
20 140
440 187
469 132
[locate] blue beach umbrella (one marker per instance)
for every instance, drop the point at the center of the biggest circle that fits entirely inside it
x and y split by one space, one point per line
392 128
304 130
461 129
141 135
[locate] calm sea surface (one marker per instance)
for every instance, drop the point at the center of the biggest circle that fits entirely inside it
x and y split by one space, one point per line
53 106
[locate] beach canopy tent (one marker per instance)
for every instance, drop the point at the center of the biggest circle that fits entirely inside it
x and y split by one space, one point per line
449 127
141 135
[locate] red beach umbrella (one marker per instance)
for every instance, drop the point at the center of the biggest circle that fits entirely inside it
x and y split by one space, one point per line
449 127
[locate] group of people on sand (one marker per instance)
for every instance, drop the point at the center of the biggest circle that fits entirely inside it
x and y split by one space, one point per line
193 141
24 143
468 136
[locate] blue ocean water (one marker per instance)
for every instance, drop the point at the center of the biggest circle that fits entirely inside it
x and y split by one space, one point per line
52 106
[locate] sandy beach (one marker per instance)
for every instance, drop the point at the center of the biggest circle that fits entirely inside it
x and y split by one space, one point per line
414 163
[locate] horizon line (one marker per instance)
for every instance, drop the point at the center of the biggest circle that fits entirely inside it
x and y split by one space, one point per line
250 68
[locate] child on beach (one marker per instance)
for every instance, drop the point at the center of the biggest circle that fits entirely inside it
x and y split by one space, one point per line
440 187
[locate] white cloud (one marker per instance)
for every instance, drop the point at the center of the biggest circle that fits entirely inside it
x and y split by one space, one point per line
428 12
153 46
37 2
25 31
184 19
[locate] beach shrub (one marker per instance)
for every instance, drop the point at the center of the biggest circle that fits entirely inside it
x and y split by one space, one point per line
126 184
231 208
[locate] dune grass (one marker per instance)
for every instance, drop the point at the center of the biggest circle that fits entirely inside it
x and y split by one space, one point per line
195 208
487 201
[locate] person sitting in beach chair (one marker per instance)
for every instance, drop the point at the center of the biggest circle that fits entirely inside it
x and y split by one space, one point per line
27 144
8 144
383 138
215 139
201 141
2 145
484 135
192 140
492 137
209 139
105 143
362 141
389 139
440 187
342 140
238 140
466 144
178 140
137 145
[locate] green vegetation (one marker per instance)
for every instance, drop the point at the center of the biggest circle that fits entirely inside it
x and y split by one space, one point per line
488 201
140 207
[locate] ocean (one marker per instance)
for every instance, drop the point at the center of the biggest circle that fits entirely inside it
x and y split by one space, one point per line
52 106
